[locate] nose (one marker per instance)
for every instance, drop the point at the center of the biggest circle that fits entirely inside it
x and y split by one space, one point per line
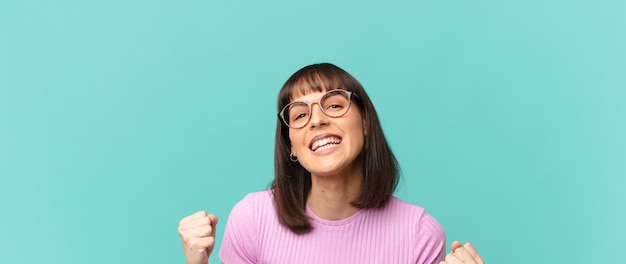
318 117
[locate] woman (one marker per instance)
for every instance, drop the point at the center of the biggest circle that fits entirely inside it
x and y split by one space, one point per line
331 199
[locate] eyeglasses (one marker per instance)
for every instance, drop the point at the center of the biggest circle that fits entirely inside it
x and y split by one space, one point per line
334 103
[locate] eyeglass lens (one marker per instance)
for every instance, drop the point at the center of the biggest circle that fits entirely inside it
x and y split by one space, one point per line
333 104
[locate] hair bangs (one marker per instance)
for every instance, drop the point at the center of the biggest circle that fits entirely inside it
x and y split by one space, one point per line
314 82
314 79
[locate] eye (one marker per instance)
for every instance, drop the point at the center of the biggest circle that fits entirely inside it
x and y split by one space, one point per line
298 111
334 106
299 116
335 102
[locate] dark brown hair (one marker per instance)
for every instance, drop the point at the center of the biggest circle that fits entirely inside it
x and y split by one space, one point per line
292 182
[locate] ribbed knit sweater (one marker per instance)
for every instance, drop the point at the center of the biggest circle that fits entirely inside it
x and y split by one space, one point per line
398 233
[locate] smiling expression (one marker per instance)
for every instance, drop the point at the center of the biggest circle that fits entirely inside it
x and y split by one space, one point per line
328 146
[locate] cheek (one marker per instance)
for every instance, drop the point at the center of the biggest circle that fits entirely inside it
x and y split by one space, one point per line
294 139
357 135
360 140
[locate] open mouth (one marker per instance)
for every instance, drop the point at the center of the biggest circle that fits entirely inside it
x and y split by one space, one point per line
325 143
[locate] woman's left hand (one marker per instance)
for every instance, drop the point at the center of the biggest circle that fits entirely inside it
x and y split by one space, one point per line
463 254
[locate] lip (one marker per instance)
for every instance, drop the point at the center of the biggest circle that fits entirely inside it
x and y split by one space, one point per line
321 136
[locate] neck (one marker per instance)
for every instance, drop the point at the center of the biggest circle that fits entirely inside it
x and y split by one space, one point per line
330 196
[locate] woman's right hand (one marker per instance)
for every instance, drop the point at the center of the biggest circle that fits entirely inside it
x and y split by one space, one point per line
197 233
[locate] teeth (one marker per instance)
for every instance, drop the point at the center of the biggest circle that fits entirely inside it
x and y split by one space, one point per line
325 147
325 143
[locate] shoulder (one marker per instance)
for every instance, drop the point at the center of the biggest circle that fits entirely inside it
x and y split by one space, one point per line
417 231
424 223
396 206
258 197
241 240
428 236
246 217
253 203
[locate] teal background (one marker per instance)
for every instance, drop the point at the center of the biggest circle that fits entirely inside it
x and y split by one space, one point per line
118 118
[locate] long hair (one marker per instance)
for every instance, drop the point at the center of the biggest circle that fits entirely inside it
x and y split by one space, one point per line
292 183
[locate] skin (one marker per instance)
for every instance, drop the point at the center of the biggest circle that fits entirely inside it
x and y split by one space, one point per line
466 254
197 234
336 178
336 173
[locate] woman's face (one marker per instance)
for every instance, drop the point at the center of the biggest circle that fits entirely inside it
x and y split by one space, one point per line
328 146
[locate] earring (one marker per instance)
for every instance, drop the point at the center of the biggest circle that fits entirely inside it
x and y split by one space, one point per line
292 157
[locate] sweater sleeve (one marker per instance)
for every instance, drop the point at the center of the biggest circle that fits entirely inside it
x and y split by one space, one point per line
239 244
431 241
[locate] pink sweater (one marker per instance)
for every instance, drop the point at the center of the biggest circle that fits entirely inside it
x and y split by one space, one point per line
398 233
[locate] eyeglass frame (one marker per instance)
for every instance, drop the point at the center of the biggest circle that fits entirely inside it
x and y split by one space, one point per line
309 104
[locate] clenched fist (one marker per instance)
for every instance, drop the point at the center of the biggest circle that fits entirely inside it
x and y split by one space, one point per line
197 233
463 254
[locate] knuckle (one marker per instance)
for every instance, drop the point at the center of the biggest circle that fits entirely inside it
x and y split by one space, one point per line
207 231
195 243
199 214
